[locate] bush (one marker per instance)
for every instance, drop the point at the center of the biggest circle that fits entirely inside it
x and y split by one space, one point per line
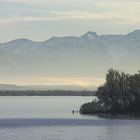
119 94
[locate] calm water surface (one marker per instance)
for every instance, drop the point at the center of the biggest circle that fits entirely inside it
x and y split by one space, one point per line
41 107
51 118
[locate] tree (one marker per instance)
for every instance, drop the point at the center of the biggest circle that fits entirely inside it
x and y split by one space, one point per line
119 94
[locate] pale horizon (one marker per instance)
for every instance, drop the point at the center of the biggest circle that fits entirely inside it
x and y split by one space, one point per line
55 81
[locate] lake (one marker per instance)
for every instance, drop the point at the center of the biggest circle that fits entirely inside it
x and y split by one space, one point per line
51 118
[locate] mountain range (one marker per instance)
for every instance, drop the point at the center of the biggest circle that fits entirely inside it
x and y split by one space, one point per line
88 55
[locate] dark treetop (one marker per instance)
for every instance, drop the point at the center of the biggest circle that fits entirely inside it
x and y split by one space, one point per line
119 95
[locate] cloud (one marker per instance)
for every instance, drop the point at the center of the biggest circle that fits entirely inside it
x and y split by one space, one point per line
115 11
104 16
127 11
25 19
72 2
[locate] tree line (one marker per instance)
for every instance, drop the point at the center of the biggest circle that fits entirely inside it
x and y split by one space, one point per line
46 93
119 94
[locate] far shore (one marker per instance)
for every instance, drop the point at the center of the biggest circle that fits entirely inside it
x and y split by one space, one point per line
46 93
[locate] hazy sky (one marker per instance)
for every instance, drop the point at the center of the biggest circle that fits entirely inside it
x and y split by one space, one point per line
55 81
41 19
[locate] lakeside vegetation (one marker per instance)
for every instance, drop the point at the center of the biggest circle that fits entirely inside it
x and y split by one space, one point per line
119 95
46 93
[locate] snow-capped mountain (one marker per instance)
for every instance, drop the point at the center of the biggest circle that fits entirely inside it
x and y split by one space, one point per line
87 55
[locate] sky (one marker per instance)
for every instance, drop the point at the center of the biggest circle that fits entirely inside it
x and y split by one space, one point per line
41 19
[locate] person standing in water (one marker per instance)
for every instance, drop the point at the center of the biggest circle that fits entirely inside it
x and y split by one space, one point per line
72 111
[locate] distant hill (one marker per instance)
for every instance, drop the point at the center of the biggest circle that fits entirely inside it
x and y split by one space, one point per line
8 87
13 90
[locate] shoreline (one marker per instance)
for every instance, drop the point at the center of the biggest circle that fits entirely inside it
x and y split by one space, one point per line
46 93
124 116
